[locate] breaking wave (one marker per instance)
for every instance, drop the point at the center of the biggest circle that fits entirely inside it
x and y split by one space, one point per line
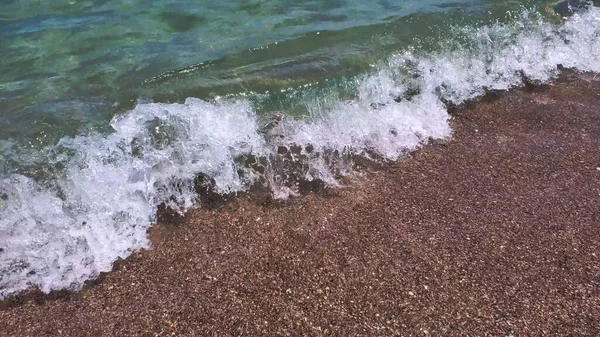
105 190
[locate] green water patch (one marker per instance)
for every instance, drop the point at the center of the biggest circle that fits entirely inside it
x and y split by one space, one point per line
181 21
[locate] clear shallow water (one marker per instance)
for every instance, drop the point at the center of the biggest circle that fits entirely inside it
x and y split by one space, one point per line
109 109
71 65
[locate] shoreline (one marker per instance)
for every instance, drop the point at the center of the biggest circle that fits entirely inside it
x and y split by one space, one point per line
490 233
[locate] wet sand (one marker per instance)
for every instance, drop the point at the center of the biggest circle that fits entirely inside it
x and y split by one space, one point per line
493 233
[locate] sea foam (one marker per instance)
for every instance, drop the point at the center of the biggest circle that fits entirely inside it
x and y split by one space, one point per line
58 233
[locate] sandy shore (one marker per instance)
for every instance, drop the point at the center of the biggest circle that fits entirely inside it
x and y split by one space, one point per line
496 232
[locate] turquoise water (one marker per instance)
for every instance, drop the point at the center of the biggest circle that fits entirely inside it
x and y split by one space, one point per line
110 110
71 65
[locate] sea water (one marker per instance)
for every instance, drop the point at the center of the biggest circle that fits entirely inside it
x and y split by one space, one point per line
110 109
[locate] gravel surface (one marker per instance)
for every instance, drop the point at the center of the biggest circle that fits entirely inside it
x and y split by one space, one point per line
494 233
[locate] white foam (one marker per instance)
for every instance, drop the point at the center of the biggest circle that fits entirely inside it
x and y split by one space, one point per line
357 128
60 233
106 200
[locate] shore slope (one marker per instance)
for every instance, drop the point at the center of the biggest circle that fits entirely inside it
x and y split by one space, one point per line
495 232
